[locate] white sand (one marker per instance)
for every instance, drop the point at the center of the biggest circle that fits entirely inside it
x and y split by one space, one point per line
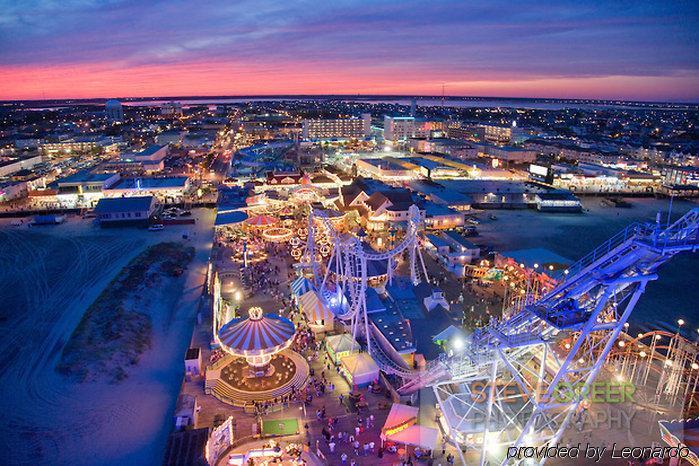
48 419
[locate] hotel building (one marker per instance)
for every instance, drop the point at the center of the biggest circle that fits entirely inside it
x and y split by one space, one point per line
337 128
404 128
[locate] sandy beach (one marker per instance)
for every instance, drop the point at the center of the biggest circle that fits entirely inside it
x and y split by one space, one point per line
49 276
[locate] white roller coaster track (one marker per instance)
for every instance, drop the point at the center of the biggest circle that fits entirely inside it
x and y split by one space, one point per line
590 309
348 265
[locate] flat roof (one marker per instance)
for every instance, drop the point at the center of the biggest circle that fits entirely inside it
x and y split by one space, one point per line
85 176
436 209
384 164
150 150
437 241
557 196
460 239
426 163
151 183
108 205
395 328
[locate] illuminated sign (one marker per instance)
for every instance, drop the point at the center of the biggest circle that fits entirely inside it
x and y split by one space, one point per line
400 427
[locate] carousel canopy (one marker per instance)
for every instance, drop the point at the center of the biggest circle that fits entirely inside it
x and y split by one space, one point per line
313 308
258 334
262 220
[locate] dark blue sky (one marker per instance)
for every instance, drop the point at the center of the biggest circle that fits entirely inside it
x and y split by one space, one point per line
616 49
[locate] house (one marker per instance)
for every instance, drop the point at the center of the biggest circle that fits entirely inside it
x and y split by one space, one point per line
125 210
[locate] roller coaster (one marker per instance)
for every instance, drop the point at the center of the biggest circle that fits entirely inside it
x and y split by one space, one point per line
534 387
526 373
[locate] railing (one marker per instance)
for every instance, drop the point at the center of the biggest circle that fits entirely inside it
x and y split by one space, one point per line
603 249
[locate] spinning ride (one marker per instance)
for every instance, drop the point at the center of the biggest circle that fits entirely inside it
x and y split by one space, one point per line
258 365
256 338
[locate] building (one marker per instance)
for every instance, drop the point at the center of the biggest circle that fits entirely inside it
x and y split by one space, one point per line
387 168
337 128
114 110
80 144
502 135
680 176
172 136
11 190
441 217
150 159
11 165
452 250
83 188
454 147
167 189
125 210
193 363
404 128
173 109
506 154
557 201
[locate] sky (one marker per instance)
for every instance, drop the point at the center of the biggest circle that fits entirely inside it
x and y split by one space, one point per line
635 50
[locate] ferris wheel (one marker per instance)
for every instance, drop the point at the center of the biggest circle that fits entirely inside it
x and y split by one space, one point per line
344 283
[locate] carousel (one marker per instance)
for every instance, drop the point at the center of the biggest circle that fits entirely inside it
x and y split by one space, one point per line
257 364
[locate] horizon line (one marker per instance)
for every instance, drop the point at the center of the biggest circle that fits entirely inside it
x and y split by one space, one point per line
326 96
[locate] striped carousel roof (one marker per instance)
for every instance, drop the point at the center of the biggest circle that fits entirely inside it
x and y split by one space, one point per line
256 335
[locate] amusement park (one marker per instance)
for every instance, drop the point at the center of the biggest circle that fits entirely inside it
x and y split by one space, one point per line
333 342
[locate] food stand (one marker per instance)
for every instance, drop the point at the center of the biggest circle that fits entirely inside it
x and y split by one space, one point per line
359 369
339 346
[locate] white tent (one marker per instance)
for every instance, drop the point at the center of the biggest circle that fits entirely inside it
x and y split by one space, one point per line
401 426
320 318
359 369
341 345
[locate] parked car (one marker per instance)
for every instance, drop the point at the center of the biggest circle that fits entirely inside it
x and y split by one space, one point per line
156 227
